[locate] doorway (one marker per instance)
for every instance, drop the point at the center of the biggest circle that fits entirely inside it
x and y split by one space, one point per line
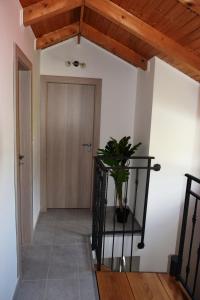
23 150
70 119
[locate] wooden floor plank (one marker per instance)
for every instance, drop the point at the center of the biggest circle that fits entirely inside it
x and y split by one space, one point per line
147 286
173 288
139 286
114 286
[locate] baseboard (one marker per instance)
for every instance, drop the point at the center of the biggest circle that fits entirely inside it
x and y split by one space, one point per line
18 279
16 288
36 221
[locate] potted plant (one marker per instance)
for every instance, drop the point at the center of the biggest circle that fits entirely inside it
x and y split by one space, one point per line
116 155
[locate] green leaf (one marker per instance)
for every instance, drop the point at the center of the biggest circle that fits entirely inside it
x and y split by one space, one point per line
116 154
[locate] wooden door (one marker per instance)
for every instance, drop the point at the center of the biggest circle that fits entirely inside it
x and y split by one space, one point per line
70 119
25 156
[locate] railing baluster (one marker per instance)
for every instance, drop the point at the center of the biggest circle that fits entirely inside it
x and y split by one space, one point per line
98 218
104 225
194 218
196 271
133 216
114 224
184 226
94 207
123 227
141 244
101 220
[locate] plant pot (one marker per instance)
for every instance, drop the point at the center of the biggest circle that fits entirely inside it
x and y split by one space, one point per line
122 214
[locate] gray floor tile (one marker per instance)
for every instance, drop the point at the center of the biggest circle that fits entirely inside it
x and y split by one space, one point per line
66 238
64 253
61 257
44 234
78 216
57 271
65 289
84 257
78 228
85 264
65 234
63 262
88 287
35 262
31 290
66 215
47 217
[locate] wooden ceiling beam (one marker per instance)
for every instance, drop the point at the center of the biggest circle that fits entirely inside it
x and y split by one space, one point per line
147 33
193 5
47 8
81 20
57 36
113 46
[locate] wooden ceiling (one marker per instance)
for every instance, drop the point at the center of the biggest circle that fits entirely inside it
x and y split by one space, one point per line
135 30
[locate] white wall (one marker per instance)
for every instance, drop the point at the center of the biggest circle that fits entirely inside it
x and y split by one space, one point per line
196 150
143 108
174 121
142 130
119 82
11 33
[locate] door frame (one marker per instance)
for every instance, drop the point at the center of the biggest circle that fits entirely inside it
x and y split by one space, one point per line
21 62
45 79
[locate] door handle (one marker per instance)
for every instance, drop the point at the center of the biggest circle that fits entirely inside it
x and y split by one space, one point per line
21 157
87 145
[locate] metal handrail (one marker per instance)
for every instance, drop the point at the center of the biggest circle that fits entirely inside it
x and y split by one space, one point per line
100 231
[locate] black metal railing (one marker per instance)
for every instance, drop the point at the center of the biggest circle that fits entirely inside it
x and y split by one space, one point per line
108 235
188 260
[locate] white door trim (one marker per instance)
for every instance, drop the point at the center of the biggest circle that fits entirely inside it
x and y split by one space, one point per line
21 62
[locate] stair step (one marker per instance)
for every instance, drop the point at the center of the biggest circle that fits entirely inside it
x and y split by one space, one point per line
138 286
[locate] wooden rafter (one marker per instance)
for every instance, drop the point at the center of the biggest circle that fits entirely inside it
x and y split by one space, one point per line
147 33
81 20
113 46
193 5
57 36
47 8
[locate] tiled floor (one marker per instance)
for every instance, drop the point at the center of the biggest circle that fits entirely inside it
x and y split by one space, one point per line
58 265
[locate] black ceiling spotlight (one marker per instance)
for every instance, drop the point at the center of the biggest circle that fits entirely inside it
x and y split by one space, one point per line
75 63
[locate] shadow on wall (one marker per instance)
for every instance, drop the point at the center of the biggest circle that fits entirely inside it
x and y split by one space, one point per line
195 169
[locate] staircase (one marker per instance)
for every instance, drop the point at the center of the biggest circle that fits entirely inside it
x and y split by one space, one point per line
122 280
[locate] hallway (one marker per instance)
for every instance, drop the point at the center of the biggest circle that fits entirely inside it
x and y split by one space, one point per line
58 265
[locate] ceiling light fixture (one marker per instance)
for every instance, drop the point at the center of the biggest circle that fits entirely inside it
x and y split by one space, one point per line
75 63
